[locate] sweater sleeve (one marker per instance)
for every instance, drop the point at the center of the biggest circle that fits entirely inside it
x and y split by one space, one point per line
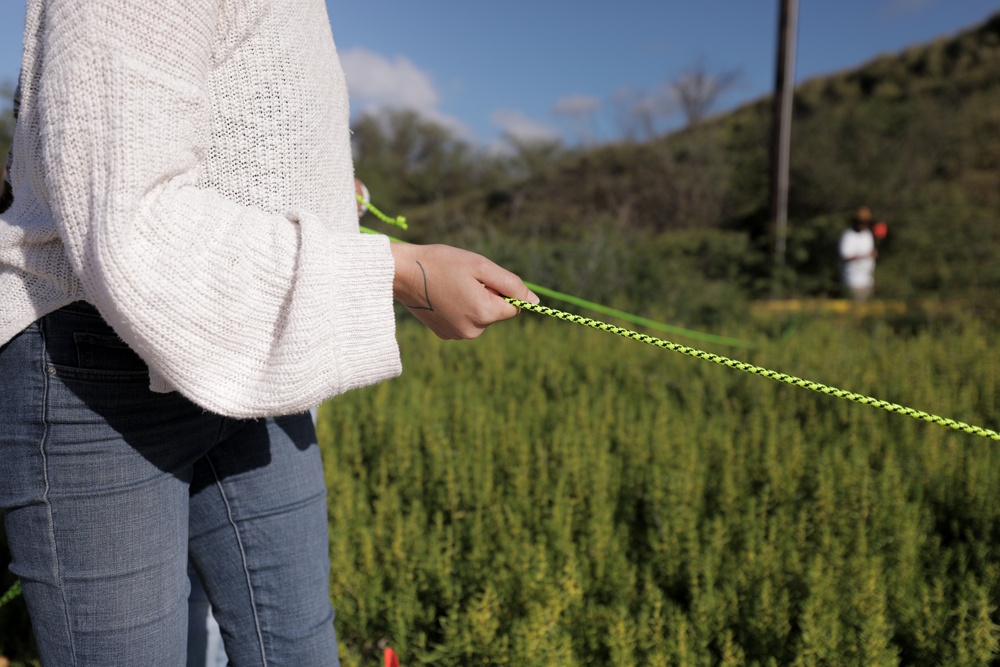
247 312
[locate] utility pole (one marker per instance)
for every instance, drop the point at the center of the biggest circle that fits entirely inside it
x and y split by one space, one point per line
784 86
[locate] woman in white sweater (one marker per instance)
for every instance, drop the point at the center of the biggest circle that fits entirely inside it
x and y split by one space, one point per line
181 259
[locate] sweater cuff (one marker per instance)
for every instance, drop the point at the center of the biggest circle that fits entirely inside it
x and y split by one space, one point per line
364 313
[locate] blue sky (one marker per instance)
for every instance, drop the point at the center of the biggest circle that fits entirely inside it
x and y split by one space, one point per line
568 69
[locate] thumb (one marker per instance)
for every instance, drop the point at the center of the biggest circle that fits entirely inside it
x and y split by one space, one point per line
505 283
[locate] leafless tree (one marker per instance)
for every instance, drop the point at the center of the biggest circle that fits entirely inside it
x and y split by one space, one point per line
640 114
579 110
697 90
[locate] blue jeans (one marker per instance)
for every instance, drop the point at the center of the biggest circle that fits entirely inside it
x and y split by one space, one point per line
204 642
109 489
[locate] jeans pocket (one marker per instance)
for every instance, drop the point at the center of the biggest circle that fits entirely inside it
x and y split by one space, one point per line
105 352
103 357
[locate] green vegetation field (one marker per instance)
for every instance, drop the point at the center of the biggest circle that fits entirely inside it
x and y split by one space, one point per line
554 495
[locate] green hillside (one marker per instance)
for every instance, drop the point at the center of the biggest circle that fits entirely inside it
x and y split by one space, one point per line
680 224
913 135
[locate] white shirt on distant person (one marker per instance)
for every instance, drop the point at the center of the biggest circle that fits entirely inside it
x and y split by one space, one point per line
859 272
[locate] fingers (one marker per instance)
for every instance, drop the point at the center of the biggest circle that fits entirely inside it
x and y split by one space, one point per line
504 283
501 283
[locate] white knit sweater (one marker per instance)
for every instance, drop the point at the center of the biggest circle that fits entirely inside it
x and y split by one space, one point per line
185 166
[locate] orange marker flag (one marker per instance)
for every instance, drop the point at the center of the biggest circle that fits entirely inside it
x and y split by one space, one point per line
391 659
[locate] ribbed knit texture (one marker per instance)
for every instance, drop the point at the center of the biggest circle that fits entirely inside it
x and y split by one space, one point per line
185 166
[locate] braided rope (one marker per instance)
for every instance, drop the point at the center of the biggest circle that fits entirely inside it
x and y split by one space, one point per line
709 356
758 370
398 221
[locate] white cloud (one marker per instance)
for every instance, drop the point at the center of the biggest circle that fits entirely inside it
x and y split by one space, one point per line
375 80
377 83
576 105
518 126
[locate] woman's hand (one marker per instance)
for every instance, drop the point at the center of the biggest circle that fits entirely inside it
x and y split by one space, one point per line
456 293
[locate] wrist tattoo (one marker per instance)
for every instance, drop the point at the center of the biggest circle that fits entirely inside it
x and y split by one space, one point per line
427 295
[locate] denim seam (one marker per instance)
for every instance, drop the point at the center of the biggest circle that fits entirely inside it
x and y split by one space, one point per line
243 558
43 367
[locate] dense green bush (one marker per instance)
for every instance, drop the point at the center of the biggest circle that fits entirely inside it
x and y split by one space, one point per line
555 495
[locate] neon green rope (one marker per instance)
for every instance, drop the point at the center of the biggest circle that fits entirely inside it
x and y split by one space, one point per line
628 317
757 370
642 321
11 593
369 230
398 221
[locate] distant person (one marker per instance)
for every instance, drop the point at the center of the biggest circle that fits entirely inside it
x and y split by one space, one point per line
858 253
